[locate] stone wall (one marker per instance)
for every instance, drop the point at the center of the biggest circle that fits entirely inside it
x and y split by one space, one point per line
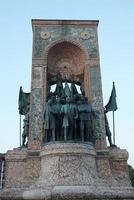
68 47
68 170
22 168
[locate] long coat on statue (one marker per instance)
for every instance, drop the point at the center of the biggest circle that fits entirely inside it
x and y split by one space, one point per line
65 110
49 118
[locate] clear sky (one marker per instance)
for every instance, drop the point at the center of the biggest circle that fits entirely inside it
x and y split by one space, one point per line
116 44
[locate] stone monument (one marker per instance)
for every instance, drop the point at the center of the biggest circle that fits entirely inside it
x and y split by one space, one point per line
66 155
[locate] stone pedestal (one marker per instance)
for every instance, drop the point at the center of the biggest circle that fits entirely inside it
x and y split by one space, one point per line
67 171
68 164
70 171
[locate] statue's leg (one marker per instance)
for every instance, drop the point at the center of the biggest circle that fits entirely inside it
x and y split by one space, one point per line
78 133
70 137
82 130
46 135
88 131
23 140
75 129
62 133
65 133
53 134
57 130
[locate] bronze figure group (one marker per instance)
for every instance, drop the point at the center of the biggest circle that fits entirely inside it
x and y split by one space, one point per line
68 115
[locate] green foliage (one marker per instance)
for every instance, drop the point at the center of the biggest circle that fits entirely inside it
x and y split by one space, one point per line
131 174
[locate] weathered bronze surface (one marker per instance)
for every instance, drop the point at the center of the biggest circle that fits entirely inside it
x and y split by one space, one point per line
68 115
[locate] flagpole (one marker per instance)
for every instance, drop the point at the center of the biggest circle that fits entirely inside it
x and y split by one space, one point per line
113 128
20 130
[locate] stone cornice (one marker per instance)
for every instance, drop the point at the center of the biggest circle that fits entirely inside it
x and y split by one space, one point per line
64 22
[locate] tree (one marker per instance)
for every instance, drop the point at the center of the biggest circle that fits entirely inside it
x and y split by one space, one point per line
131 174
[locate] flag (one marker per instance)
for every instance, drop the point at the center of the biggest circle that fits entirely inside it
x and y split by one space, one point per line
112 105
24 102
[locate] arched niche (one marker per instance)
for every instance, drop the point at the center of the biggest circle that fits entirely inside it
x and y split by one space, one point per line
68 59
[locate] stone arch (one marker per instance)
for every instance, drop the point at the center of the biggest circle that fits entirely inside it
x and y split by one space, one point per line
67 57
69 41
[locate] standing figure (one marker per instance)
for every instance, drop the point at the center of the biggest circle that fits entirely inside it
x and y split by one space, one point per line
65 111
58 118
49 120
25 133
59 87
73 89
84 110
67 91
73 118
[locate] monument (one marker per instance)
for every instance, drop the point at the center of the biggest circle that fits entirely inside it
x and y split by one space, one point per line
64 152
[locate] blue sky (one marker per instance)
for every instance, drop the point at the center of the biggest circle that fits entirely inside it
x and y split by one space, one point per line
116 46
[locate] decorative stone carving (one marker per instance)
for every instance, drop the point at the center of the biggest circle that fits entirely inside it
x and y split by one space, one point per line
45 35
85 35
51 34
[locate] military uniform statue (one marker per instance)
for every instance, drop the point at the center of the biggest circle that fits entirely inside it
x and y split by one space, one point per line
25 133
85 119
73 118
65 111
57 107
59 87
49 120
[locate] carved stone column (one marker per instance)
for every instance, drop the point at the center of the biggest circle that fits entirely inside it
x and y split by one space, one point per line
44 99
36 108
87 84
93 90
97 102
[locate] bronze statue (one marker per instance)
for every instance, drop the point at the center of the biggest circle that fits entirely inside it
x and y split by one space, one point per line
73 90
68 116
57 107
67 91
59 86
73 118
84 110
25 133
65 111
49 120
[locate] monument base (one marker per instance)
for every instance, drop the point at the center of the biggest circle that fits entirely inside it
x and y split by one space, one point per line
69 192
68 171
